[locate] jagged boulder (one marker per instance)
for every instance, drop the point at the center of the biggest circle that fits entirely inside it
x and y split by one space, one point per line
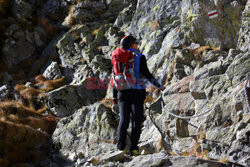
152 24
243 40
89 11
125 17
163 159
63 101
54 9
4 92
52 71
91 130
219 31
21 44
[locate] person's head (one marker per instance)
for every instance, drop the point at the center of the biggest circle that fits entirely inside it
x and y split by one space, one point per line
129 42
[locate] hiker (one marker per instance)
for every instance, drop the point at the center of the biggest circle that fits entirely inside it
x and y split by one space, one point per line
129 72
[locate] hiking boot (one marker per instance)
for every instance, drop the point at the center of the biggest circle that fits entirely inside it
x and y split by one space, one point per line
124 151
134 153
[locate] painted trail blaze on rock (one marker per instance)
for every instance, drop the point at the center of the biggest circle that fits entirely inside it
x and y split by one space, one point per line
213 14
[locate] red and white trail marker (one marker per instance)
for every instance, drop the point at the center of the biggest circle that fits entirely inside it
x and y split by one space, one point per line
213 14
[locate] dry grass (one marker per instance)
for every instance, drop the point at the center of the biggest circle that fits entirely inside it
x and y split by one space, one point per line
19 141
170 73
107 102
40 78
69 20
83 42
155 25
48 85
99 48
224 160
94 32
28 94
198 51
71 9
21 131
17 108
149 99
83 60
76 35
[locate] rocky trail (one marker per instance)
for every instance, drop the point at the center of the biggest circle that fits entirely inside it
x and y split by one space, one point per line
55 98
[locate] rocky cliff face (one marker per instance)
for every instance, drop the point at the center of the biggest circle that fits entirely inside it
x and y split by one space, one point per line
203 62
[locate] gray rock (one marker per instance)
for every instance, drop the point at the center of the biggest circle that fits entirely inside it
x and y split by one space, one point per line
209 70
22 10
152 24
161 159
53 71
54 9
88 11
4 92
238 68
125 17
183 145
244 39
6 78
115 156
91 129
232 54
16 51
213 56
220 31
63 101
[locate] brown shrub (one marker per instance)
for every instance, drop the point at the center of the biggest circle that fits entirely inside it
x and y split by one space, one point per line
94 32
19 141
49 85
40 78
198 51
16 108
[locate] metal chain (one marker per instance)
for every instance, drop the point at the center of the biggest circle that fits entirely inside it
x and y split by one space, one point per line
186 117
194 116
245 92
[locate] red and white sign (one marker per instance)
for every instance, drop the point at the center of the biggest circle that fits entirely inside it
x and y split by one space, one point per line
212 14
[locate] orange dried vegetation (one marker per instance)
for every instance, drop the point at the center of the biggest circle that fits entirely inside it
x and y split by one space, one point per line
198 51
21 131
94 32
155 25
149 99
107 103
170 73
48 85
76 35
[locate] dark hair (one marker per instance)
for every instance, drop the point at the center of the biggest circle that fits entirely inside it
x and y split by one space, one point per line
127 41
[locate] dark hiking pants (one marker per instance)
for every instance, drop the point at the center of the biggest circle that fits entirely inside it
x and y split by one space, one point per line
130 102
